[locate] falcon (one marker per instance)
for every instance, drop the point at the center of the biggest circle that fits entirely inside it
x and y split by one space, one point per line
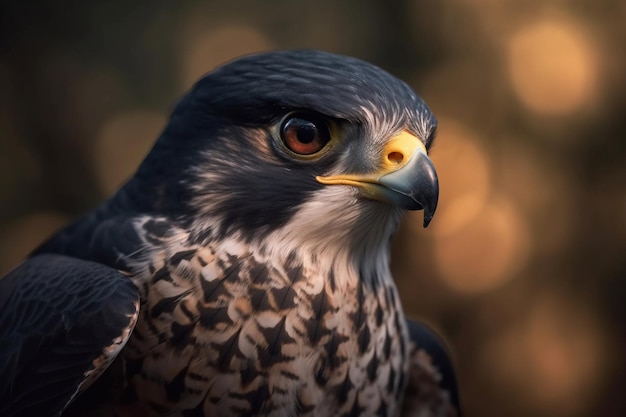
244 269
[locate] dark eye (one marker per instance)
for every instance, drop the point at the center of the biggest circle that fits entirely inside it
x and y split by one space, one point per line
304 135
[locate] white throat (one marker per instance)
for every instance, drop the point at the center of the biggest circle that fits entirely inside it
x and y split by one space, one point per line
330 235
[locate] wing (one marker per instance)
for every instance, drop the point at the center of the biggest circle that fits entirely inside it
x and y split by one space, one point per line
432 390
62 322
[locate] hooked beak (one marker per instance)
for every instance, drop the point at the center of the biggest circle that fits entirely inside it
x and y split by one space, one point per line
406 177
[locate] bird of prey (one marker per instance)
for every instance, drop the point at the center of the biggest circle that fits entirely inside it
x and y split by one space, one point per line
244 269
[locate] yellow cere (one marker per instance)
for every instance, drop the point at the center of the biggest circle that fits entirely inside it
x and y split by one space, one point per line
397 154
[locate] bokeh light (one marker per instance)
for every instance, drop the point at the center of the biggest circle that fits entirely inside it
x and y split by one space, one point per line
552 66
553 356
538 188
464 178
485 253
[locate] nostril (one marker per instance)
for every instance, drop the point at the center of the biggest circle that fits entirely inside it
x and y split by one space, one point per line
395 157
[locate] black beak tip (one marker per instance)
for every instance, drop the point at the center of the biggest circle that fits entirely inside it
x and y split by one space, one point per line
429 203
428 216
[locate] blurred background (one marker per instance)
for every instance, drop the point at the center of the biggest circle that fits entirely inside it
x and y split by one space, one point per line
523 269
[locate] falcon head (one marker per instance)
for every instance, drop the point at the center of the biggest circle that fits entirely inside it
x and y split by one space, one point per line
303 146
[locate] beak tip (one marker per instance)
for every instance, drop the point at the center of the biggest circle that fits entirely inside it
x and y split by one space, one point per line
427 221
429 199
428 216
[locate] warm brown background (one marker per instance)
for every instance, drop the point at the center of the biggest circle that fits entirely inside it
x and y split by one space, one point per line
523 270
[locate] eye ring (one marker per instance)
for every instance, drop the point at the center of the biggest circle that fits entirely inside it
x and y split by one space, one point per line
304 135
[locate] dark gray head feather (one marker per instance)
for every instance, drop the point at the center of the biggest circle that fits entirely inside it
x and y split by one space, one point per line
214 124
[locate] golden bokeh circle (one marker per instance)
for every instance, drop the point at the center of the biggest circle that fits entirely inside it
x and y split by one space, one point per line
464 177
554 355
485 253
552 66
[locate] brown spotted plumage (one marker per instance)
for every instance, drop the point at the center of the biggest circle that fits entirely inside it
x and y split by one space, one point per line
256 235
230 332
